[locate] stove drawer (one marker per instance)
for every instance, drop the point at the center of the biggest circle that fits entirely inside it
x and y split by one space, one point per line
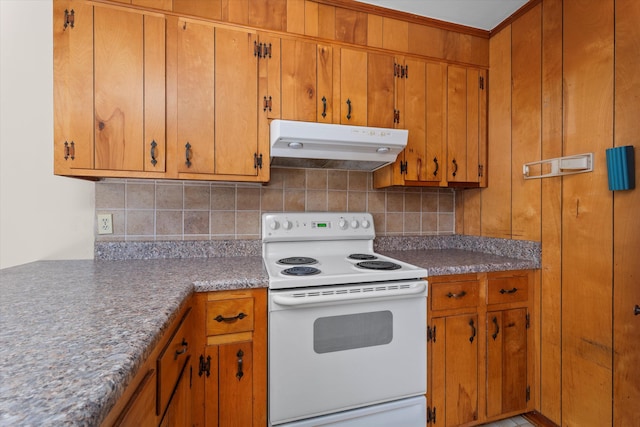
454 295
229 316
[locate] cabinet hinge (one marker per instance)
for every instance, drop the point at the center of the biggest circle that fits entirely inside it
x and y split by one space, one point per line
267 104
69 19
403 167
481 82
480 170
204 366
431 415
262 50
69 150
257 161
527 321
431 334
528 393
405 72
396 116
396 69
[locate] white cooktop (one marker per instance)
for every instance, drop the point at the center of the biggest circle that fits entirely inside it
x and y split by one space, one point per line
329 238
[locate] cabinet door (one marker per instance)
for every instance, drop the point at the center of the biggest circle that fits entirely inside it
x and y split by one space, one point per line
141 408
466 125
436 122
299 80
217 100
506 361
229 388
380 94
196 102
414 113
353 87
121 74
324 91
454 370
178 411
236 95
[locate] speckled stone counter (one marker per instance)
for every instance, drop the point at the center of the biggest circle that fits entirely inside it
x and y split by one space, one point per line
73 333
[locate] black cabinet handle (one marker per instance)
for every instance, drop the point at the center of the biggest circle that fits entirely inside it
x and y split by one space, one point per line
455 167
220 318
324 106
239 374
435 172
495 334
154 145
636 310
348 109
187 154
509 291
473 331
184 349
459 295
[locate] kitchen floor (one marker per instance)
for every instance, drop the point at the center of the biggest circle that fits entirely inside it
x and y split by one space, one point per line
511 422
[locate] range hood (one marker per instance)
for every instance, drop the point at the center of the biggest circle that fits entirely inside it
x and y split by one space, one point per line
328 146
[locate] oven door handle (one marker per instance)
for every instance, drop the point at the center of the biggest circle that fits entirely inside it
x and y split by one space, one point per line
364 293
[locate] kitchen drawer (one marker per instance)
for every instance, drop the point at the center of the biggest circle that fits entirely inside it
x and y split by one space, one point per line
454 295
229 316
171 361
508 289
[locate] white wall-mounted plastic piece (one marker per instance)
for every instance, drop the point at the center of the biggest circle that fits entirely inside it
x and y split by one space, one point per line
567 165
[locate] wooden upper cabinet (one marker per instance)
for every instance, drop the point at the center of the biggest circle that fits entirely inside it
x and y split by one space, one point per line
217 102
299 80
122 76
381 90
466 125
353 87
420 104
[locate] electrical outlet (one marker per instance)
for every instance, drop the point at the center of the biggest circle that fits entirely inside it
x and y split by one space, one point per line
105 224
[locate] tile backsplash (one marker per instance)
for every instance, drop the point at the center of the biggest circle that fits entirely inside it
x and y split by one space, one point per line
191 210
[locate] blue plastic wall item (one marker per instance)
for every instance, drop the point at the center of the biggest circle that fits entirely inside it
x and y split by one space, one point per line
621 168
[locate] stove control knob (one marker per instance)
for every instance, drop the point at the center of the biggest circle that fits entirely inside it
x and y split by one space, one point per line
354 224
365 223
343 224
274 225
287 225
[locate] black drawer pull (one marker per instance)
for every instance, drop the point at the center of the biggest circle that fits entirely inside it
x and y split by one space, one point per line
460 295
184 349
239 373
473 331
636 310
509 291
495 334
220 318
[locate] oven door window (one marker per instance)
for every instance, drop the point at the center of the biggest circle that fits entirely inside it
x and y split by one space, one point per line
351 331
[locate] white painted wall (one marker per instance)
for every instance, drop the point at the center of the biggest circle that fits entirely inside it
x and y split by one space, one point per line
42 216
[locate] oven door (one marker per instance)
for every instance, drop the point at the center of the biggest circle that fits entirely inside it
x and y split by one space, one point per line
345 347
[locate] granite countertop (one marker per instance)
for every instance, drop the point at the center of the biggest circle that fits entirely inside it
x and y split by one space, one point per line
74 333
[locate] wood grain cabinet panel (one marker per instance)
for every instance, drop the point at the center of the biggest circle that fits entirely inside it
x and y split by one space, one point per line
473 341
233 363
217 103
121 75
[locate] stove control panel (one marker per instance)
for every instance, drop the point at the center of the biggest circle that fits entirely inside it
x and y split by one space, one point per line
291 226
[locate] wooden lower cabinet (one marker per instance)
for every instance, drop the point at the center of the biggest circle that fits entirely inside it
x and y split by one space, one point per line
232 374
161 393
479 334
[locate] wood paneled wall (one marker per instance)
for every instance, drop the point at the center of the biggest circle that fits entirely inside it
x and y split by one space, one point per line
558 87
345 21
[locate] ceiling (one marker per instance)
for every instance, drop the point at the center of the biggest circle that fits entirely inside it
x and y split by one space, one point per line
482 14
